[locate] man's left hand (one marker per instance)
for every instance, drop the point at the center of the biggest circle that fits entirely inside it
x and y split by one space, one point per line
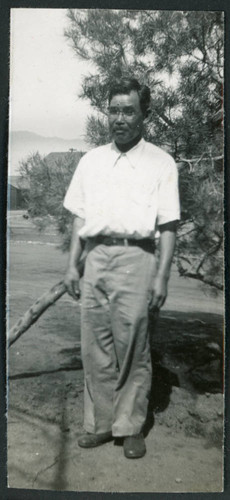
159 292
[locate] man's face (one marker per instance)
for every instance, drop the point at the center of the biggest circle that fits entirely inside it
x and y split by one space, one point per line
125 117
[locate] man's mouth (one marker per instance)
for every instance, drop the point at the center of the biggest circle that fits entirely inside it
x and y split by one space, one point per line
119 130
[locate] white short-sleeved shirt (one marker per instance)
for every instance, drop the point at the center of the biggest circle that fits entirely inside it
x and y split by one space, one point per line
124 194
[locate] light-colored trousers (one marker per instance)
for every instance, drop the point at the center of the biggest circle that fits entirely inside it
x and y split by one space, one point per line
114 338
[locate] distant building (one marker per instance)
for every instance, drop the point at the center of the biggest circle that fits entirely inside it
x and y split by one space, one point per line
16 192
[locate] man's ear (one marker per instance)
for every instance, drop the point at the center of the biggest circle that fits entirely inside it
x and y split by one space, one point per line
147 115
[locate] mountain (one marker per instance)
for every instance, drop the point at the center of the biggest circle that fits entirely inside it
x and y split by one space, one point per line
24 143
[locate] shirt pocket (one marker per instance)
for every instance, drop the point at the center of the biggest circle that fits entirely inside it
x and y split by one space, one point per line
143 194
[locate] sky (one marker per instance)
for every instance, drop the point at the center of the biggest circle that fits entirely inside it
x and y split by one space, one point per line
45 75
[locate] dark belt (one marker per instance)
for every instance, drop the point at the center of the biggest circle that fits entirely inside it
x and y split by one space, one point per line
145 243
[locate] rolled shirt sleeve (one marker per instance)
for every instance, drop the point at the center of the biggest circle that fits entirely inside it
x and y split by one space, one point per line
74 200
168 194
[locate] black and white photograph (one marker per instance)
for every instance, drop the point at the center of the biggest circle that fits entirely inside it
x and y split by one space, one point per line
115 251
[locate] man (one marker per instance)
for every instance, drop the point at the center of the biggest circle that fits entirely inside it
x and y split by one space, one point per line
120 193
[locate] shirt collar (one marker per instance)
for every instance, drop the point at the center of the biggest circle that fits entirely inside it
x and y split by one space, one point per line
133 154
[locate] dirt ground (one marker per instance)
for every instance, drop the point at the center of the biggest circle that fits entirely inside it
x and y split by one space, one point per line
184 431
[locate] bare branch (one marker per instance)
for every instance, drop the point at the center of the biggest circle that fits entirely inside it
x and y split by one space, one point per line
35 311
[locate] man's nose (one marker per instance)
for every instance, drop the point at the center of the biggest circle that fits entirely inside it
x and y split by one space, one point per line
120 116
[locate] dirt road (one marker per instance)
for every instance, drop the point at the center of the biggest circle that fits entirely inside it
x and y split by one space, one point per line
184 436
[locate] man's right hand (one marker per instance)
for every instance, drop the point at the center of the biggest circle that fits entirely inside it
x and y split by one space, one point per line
71 281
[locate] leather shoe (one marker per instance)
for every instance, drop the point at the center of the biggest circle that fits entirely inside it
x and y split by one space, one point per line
134 446
89 440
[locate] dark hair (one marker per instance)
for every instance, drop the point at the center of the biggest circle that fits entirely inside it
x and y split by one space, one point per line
125 86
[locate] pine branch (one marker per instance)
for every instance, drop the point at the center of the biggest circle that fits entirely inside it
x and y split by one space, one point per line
210 252
187 232
200 277
196 274
198 159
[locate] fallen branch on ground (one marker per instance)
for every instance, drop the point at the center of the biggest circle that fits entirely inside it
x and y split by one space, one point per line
35 311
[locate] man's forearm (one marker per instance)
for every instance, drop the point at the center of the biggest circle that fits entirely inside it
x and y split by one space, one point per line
167 247
77 245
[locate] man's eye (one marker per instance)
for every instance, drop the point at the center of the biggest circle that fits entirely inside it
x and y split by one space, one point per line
117 111
128 112
113 111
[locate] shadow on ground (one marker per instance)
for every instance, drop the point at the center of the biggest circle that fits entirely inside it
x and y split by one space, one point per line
187 352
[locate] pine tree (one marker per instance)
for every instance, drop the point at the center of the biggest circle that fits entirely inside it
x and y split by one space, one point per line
180 56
